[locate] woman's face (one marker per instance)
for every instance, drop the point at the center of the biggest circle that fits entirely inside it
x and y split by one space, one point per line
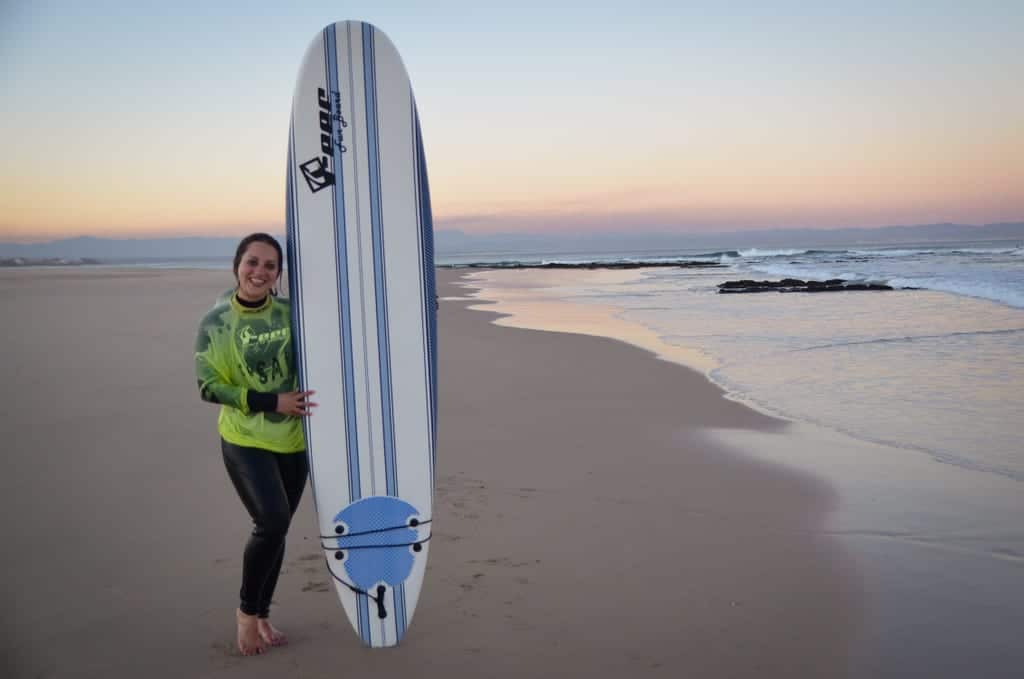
257 272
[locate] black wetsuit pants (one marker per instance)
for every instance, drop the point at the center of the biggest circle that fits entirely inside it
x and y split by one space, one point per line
270 485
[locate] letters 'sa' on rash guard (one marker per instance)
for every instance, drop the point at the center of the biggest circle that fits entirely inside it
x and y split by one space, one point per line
244 357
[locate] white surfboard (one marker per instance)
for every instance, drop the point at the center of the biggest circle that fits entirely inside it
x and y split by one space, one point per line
361 281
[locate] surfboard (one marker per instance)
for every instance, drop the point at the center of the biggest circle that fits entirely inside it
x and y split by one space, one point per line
361 283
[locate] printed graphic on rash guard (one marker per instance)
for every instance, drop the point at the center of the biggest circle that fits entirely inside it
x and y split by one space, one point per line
238 352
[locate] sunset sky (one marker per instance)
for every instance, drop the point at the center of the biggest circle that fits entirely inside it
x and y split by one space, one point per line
153 119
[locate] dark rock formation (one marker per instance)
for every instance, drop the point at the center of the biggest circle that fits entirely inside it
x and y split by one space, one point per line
797 285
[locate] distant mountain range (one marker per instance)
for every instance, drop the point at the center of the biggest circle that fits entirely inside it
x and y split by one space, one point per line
454 242
123 249
458 242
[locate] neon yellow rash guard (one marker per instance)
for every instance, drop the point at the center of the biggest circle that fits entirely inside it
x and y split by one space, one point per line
240 353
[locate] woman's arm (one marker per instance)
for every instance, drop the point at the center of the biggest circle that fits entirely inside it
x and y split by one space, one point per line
212 376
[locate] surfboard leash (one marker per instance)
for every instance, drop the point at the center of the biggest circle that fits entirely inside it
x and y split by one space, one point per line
339 531
382 612
378 599
337 549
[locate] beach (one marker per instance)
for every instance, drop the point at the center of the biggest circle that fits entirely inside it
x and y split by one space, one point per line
904 403
587 521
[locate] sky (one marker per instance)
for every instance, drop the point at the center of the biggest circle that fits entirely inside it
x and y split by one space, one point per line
153 119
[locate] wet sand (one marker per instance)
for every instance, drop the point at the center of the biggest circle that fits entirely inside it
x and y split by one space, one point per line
584 525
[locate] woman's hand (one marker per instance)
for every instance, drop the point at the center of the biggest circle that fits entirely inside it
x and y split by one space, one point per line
295 403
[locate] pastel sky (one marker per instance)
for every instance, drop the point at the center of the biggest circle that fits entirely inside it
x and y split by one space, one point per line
155 118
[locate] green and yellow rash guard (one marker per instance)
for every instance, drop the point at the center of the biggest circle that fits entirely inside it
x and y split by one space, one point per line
243 357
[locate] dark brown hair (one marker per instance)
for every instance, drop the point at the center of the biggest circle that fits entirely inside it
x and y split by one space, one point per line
258 238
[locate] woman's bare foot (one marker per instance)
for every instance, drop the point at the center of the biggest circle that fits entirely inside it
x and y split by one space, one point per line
249 641
271 634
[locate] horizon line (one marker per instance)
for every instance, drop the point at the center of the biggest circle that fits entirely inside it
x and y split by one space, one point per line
658 233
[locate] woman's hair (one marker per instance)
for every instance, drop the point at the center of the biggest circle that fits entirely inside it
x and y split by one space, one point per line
259 238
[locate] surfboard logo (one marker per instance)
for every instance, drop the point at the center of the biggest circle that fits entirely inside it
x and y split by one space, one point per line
318 172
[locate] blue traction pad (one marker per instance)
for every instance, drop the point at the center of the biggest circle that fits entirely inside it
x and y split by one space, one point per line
377 540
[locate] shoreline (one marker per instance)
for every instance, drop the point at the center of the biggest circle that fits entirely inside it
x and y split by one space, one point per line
557 315
909 518
585 523
533 308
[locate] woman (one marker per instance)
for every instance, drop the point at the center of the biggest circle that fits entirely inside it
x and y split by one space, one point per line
245 362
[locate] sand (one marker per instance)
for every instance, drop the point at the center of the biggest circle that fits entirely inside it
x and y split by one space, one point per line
584 526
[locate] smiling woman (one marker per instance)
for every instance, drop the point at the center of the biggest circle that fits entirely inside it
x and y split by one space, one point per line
245 362
257 266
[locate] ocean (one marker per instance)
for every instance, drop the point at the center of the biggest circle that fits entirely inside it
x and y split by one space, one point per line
908 403
935 366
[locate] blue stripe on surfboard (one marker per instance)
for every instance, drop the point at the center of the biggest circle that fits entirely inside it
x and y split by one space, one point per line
400 611
427 297
379 261
380 287
344 309
362 600
427 236
400 617
341 271
427 310
360 277
293 245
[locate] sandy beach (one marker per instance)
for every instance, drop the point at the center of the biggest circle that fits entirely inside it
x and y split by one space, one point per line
584 526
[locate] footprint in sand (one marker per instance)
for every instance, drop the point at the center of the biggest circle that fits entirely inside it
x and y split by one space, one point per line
447 537
505 561
316 587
